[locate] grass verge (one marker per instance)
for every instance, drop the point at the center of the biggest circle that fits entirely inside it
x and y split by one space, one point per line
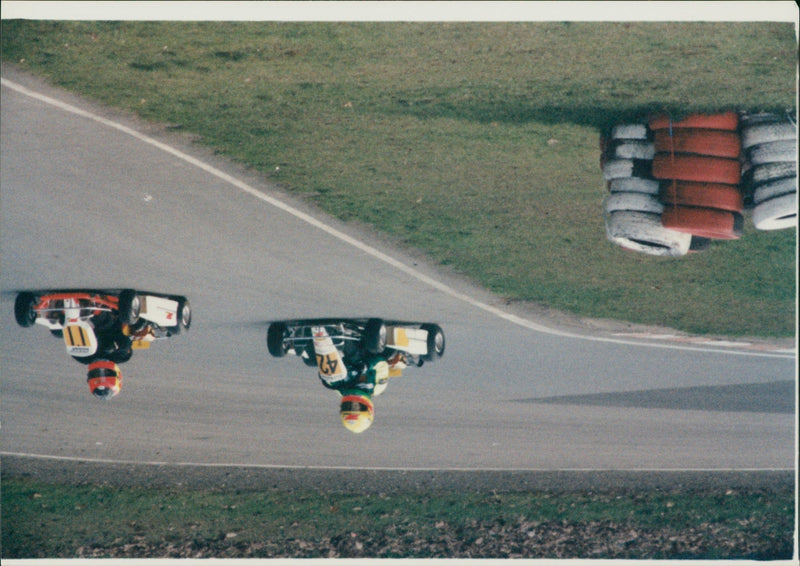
474 142
43 520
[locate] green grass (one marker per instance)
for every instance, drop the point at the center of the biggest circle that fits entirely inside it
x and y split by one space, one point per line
58 521
474 142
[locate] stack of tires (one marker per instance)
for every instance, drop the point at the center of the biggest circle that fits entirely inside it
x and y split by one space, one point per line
632 208
675 185
769 143
698 167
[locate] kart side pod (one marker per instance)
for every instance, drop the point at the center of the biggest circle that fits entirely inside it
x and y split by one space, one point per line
411 340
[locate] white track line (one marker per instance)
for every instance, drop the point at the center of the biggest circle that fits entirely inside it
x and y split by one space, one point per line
372 468
241 185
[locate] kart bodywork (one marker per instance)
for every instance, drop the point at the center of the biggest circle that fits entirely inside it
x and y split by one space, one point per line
77 315
326 342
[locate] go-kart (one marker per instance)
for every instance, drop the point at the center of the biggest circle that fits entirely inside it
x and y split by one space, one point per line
81 315
326 342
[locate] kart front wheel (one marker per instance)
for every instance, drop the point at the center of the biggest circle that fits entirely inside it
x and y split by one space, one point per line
23 309
435 342
275 334
375 336
130 305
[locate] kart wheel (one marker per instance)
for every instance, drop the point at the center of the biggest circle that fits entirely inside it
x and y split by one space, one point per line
184 316
23 309
276 332
435 342
375 336
310 359
130 305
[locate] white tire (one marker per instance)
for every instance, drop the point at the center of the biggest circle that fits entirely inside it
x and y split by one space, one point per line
747 120
635 149
774 189
633 201
767 133
643 232
772 171
635 185
785 150
629 132
777 213
617 168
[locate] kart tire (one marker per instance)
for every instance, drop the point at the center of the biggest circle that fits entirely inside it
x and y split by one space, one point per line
771 171
643 232
629 132
184 316
772 152
722 121
777 213
767 133
774 189
704 222
436 342
634 185
705 195
23 309
715 143
275 335
698 168
130 305
633 201
310 359
375 336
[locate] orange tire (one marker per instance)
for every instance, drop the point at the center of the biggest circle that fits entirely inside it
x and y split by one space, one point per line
701 142
722 121
703 222
704 195
698 168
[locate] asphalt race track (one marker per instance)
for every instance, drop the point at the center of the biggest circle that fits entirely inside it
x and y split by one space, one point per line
88 203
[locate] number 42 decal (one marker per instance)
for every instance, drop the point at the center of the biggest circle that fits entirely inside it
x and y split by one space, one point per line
328 364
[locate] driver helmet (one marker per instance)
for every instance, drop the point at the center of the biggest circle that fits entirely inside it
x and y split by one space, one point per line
357 412
104 379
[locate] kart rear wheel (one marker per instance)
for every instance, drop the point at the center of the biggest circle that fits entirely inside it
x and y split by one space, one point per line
184 314
375 336
275 334
435 342
310 359
130 305
23 309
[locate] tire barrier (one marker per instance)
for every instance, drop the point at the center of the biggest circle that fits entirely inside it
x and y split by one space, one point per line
769 184
696 176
